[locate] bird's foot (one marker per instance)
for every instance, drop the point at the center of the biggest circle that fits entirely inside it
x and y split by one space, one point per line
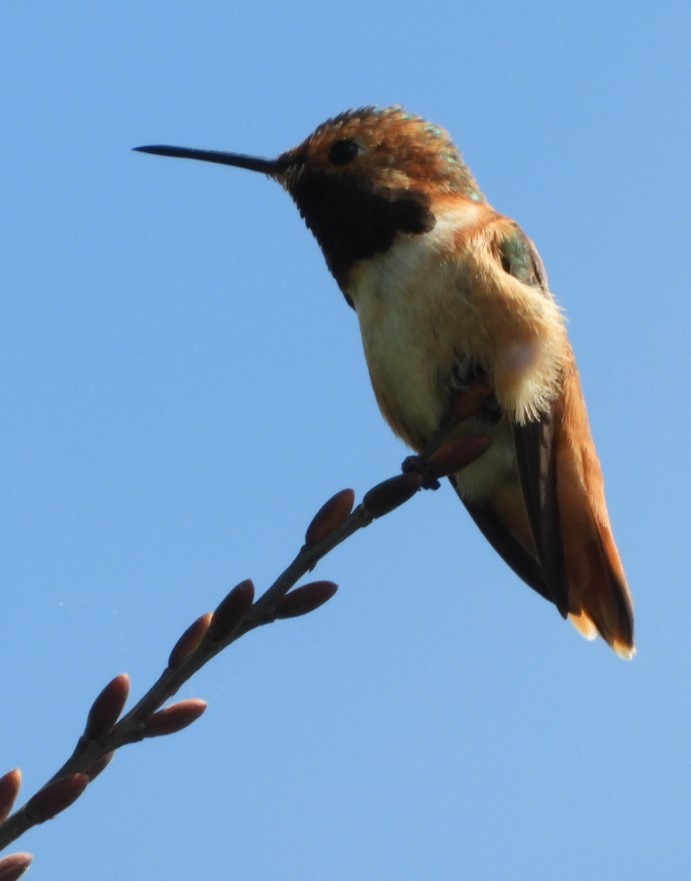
421 465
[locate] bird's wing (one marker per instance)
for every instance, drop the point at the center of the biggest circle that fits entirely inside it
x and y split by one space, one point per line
509 548
534 441
534 448
534 451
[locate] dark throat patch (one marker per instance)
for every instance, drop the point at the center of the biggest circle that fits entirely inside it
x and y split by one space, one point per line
352 222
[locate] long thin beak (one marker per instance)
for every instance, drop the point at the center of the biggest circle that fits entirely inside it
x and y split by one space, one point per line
273 167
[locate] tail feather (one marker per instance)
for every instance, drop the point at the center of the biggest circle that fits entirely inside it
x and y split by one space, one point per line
599 595
601 600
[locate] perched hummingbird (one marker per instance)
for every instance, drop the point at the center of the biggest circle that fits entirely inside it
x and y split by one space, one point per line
462 337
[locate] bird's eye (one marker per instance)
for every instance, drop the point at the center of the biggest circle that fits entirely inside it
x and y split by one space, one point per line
343 152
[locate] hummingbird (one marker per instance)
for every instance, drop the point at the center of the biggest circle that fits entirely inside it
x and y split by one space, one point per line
462 336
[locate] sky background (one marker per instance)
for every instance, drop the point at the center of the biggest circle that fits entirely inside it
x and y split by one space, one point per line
182 386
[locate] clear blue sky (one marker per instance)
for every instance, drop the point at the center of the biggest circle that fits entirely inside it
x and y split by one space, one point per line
182 385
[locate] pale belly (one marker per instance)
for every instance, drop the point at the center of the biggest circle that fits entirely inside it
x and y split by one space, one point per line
410 357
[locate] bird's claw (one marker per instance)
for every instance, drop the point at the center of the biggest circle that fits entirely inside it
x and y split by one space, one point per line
420 465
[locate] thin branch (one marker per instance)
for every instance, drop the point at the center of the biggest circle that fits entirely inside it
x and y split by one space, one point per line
237 614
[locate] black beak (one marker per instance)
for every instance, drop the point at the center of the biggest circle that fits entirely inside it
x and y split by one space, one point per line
272 167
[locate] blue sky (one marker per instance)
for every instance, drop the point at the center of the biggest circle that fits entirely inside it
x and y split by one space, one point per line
182 385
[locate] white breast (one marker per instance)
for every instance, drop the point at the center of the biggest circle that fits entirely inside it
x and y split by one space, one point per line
404 299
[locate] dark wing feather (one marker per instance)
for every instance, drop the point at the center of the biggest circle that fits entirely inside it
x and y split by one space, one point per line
533 443
509 548
537 474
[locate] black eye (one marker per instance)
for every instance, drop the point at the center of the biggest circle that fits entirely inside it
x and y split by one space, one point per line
343 152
